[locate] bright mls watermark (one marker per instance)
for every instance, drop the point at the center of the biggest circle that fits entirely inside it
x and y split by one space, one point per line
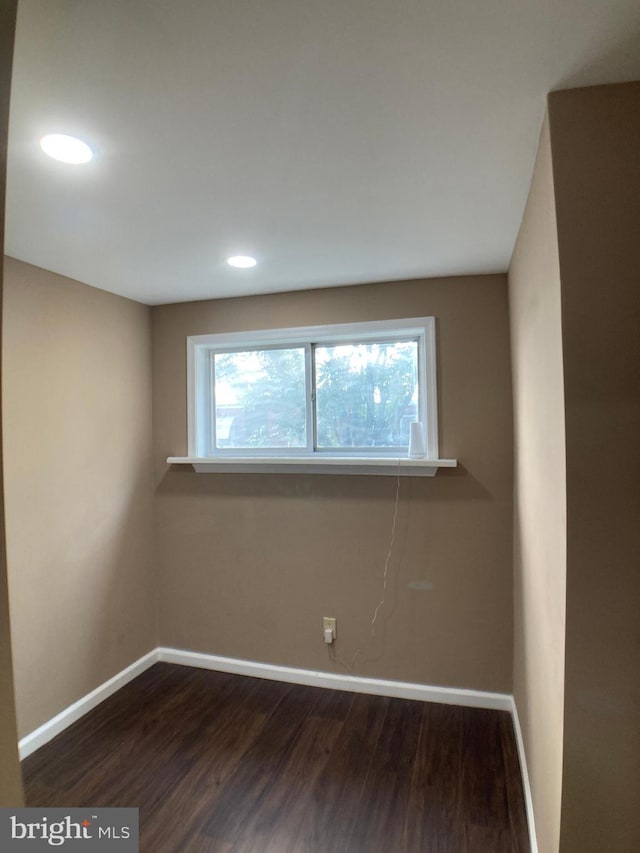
103 830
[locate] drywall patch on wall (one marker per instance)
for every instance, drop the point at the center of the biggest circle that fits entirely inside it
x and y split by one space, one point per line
420 586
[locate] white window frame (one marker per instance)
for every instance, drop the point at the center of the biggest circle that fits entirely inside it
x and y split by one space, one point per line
200 401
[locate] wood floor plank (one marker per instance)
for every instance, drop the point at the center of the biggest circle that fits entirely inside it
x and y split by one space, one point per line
219 763
337 794
431 822
162 748
203 844
223 746
120 717
381 820
486 839
482 788
251 781
515 793
278 819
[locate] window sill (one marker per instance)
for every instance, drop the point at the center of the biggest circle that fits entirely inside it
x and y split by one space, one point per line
403 467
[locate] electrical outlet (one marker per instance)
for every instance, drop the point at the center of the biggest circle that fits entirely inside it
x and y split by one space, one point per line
329 622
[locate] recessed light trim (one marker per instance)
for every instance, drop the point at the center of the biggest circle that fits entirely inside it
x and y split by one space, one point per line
66 149
241 262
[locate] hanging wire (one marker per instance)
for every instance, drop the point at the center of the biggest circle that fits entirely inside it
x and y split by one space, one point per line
385 577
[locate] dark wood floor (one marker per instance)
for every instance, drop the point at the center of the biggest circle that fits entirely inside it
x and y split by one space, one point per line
230 764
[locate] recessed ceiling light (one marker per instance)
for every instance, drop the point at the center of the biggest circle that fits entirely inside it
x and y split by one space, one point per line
243 262
68 149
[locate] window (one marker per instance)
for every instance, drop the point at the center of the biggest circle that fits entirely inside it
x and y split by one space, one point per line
348 390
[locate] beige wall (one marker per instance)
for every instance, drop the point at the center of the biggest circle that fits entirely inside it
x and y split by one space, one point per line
10 782
539 496
249 564
595 137
78 477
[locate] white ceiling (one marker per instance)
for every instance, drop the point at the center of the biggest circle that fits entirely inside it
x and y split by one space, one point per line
339 141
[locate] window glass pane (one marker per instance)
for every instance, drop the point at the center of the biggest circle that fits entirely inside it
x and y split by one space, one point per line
366 394
260 398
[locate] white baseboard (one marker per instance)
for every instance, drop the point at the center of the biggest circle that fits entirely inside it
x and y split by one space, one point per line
46 732
337 681
526 786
